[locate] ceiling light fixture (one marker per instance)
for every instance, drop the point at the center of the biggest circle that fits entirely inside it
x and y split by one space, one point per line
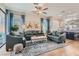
40 8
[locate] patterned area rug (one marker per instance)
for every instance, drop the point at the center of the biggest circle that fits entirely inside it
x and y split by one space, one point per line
38 49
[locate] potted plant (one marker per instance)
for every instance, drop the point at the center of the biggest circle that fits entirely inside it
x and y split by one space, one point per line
14 29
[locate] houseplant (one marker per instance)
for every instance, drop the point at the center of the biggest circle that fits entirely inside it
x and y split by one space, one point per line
14 29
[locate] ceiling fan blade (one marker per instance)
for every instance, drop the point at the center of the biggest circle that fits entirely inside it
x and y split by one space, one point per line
45 12
45 8
39 8
36 7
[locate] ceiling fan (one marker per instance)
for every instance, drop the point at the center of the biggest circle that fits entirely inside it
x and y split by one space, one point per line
40 8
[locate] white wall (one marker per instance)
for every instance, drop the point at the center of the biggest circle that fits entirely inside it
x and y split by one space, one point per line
55 21
53 10
2 6
33 19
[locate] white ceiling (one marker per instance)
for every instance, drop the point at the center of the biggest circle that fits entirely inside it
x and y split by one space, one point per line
24 7
53 8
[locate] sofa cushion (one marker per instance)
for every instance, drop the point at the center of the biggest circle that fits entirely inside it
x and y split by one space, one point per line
57 33
54 33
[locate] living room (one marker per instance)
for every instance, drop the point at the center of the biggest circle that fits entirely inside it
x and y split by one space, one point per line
33 29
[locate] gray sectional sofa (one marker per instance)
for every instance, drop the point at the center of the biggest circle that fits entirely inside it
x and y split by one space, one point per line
58 37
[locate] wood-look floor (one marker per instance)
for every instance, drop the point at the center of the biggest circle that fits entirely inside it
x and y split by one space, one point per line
72 49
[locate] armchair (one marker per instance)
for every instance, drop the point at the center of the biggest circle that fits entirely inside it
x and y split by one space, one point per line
12 40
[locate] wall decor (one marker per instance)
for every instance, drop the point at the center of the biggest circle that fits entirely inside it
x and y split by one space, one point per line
32 26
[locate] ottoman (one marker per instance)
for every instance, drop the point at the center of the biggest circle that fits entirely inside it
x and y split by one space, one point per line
18 48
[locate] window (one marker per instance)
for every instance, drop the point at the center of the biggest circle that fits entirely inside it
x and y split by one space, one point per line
2 27
17 20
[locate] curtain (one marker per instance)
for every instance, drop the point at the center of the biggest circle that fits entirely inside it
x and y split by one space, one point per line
41 25
9 21
23 18
48 27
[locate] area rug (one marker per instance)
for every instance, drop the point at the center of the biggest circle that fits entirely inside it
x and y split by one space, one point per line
38 49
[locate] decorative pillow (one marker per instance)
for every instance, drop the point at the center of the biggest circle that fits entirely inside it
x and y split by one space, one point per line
54 33
57 33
